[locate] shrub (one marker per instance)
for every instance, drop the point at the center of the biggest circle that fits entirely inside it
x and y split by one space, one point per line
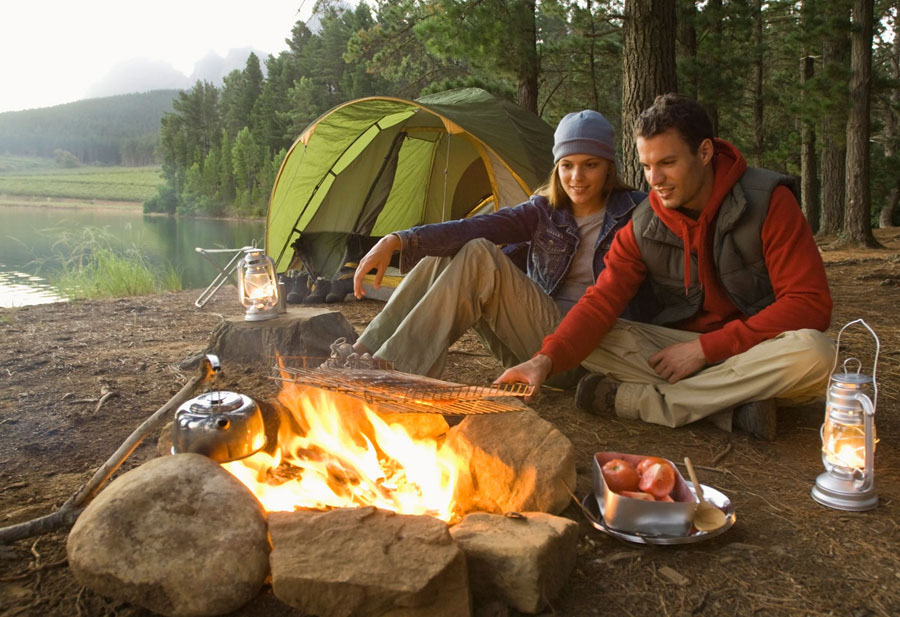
65 158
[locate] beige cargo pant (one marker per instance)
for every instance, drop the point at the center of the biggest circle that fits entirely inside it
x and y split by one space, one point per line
442 297
793 368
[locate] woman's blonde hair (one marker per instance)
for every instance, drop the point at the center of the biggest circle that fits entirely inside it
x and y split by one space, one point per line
556 194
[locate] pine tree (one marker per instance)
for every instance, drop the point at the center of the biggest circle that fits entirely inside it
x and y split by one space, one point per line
648 67
857 215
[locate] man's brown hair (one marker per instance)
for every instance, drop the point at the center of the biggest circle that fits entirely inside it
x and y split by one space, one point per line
675 111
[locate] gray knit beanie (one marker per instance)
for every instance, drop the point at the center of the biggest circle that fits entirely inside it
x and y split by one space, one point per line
584 132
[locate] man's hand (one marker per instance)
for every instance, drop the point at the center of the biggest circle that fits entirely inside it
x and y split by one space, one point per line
378 258
678 361
532 372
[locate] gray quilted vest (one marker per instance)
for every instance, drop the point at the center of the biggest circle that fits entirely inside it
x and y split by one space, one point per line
737 250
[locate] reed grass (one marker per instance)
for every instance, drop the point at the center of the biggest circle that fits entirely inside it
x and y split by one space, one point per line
94 269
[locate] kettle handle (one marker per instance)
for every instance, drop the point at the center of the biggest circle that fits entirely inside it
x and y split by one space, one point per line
837 354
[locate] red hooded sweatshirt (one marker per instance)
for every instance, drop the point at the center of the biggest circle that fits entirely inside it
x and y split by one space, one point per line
802 297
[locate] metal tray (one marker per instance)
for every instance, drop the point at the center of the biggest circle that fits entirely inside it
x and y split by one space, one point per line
648 517
592 510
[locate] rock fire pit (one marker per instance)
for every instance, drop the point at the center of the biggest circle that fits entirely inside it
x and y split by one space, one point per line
182 535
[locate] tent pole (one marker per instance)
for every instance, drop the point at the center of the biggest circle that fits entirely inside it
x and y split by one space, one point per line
359 226
446 172
330 171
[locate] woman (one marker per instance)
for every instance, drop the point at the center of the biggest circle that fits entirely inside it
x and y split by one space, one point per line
459 278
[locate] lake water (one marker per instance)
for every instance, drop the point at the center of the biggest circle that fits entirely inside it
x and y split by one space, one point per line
34 242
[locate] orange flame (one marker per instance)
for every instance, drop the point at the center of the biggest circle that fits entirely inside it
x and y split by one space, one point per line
334 451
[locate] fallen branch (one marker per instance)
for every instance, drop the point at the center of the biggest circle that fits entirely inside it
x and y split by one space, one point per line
718 458
109 394
72 508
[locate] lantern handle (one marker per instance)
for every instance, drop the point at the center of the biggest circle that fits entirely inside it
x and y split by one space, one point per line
837 354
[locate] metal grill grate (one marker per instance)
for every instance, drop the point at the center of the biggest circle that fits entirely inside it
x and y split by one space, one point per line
404 392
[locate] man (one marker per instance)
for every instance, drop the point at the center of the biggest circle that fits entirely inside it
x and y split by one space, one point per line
743 289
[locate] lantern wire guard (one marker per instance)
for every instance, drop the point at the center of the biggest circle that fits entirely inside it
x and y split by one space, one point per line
848 483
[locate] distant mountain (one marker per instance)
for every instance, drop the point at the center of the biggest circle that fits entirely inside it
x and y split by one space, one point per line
213 67
138 75
143 75
122 129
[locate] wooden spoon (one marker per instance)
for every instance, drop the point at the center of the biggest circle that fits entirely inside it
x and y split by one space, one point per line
707 517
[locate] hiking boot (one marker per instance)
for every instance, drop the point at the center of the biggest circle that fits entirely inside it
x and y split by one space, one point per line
297 287
319 291
339 290
596 394
757 418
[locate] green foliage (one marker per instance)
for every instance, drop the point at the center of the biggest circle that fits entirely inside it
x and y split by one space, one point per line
93 269
65 159
220 149
164 202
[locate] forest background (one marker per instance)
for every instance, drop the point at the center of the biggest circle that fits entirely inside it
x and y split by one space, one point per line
810 88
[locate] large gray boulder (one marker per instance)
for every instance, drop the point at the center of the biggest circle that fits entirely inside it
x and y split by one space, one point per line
524 561
516 462
178 535
366 562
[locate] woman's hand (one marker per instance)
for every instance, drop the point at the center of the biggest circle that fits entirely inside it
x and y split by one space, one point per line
378 258
533 372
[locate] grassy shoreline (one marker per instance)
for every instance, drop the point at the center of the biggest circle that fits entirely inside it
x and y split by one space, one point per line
71 203
67 203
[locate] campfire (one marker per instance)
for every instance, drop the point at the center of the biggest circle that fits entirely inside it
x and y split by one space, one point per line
366 489
334 451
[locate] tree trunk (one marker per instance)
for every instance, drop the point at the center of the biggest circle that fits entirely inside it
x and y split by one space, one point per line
530 65
710 100
686 44
886 218
595 87
857 215
892 130
834 156
758 56
834 118
648 69
809 185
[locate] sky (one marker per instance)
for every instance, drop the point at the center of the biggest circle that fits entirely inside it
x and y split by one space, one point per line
54 51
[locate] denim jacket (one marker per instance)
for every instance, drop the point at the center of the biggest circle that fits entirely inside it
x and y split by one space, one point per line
547 237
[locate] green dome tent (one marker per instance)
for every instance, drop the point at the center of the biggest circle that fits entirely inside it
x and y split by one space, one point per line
380 164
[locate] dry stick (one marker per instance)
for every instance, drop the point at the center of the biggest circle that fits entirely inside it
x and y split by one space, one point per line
69 511
718 458
103 399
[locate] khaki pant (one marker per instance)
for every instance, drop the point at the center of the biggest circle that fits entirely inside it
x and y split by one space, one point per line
480 288
793 368
442 297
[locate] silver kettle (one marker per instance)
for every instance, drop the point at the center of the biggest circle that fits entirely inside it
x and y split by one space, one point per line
225 426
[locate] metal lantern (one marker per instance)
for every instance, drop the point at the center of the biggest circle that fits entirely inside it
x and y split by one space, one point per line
258 286
848 435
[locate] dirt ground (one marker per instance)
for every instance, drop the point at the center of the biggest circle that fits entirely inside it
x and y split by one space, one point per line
786 555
